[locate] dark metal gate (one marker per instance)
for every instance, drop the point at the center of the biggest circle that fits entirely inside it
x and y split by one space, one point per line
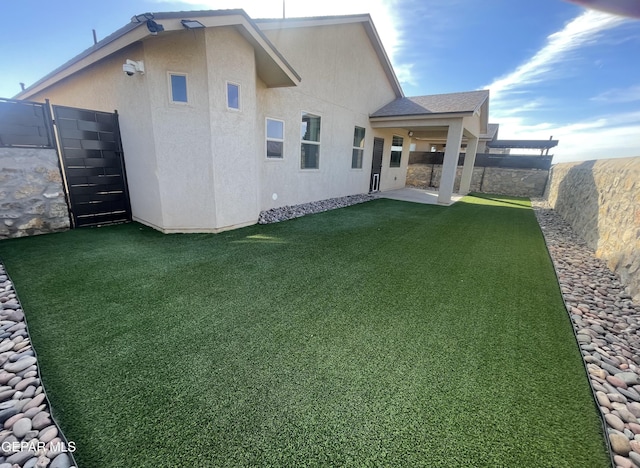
93 164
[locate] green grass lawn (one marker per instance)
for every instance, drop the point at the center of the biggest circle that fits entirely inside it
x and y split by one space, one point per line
383 334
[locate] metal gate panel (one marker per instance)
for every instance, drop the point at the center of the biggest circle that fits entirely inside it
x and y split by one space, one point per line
93 164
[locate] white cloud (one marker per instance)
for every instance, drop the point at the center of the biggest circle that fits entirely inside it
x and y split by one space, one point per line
619 95
603 136
581 31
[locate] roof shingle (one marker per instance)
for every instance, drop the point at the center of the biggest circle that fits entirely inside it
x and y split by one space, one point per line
452 103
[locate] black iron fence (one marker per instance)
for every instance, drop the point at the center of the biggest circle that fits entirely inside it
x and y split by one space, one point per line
487 160
25 124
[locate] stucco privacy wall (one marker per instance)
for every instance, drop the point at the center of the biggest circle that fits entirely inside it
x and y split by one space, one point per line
601 201
504 181
343 85
31 193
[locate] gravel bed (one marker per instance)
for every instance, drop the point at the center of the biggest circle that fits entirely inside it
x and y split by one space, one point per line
29 437
606 323
276 215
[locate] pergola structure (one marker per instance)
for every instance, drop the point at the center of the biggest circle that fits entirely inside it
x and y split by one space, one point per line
450 117
543 145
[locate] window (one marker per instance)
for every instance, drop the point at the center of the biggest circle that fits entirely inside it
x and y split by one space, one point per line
358 148
178 85
233 96
310 136
396 151
275 138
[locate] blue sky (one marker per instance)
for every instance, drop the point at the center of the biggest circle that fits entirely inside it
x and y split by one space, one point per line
553 68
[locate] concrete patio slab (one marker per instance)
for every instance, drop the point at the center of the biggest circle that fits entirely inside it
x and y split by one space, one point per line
415 195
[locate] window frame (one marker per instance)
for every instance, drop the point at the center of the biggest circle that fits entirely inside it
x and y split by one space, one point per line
360 149
239 87
391 161
170 75
311 142
268 139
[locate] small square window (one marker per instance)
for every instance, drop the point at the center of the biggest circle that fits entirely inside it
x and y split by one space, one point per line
233 96
178 87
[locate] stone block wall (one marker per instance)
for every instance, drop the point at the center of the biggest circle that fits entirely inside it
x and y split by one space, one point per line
503 181
32 197
601 201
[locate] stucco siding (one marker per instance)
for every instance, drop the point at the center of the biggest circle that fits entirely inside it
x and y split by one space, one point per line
182 132
342 85
231 58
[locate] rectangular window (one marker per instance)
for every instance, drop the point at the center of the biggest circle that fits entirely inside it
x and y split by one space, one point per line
358 148
233 96
275 138
178 87
396 151
310 136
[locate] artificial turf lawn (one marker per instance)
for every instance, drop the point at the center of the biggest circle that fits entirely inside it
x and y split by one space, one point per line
383 334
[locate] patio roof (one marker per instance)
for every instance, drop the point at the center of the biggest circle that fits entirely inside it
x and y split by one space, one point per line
460 104
492 132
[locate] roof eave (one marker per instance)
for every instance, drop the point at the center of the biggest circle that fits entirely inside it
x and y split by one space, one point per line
434 115
273 68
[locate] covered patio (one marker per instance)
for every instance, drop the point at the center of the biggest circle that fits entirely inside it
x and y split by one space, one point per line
454 118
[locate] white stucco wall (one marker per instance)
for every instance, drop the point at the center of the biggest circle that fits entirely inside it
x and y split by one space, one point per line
342 85
181 131
234 133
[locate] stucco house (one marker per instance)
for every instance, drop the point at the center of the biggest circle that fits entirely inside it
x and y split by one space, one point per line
223 116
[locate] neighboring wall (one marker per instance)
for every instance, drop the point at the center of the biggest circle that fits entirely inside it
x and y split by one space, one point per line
31 193
498 180
601 201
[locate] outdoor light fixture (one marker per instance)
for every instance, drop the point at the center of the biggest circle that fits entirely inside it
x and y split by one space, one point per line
192 24
153 27
410 134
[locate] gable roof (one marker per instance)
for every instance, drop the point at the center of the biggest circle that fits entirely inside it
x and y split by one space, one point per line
463 104
272 67
492 132
364 19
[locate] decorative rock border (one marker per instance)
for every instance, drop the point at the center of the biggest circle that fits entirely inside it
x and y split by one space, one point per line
607 327
284 213
29 436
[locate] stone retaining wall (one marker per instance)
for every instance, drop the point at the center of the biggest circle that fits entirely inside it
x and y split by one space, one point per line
32 197
601 201
498 180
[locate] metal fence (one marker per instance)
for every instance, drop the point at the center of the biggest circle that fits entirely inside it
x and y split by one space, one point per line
25 124
487 160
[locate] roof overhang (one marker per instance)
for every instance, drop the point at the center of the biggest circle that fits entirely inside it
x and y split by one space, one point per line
364 19
272 67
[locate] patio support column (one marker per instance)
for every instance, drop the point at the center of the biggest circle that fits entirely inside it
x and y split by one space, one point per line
469 161
450 164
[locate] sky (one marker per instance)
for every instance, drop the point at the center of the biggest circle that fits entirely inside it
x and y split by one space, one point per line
553 67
